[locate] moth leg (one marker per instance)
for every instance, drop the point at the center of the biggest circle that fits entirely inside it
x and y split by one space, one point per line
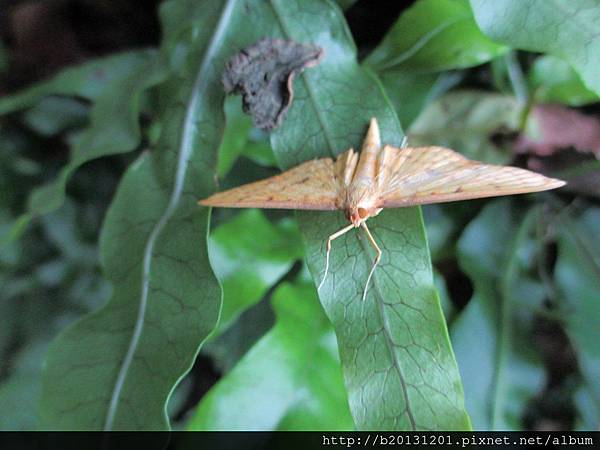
377 258
335 235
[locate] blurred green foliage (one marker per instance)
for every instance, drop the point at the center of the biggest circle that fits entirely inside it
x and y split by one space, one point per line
554 80
432 36
504 268
289 380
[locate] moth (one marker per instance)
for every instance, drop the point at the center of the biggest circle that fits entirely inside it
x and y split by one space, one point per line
362 185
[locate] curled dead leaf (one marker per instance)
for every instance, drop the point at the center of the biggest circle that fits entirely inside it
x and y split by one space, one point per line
263 74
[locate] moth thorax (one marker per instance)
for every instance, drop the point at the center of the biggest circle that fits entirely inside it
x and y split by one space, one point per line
358 214
359 202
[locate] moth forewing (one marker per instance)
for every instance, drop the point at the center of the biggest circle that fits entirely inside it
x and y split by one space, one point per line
311 185
384 167
345 166
436 174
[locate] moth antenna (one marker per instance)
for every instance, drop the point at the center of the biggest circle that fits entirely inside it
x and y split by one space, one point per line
377 258
335 235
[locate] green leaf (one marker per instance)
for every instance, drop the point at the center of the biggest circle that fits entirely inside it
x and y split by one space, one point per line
235 136
563 28
398 366
19 392
60 228
466 121
116 368
408 92
230 345
114 128
556 81
53 115
42 287
345 4
14 231
441 229
289 380
248 255
260 152
578 280
446 302
115 84
434 35
89 80
491 337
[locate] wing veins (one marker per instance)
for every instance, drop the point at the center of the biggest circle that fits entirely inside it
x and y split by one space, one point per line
311 185
437 175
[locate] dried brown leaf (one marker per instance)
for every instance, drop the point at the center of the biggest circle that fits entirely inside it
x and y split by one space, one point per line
555 127
263 74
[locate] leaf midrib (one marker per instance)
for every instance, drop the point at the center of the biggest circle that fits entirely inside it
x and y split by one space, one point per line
389 342
308 85
421 43
379 296
185 150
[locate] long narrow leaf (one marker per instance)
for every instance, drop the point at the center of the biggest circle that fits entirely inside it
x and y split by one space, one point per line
502 372
398 365
165 300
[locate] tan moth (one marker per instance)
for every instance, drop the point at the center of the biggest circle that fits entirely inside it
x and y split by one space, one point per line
381 177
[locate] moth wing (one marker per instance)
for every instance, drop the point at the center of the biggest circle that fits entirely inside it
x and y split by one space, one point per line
421 175
310 185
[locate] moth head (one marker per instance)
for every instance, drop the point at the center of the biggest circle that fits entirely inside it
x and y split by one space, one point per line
358 215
